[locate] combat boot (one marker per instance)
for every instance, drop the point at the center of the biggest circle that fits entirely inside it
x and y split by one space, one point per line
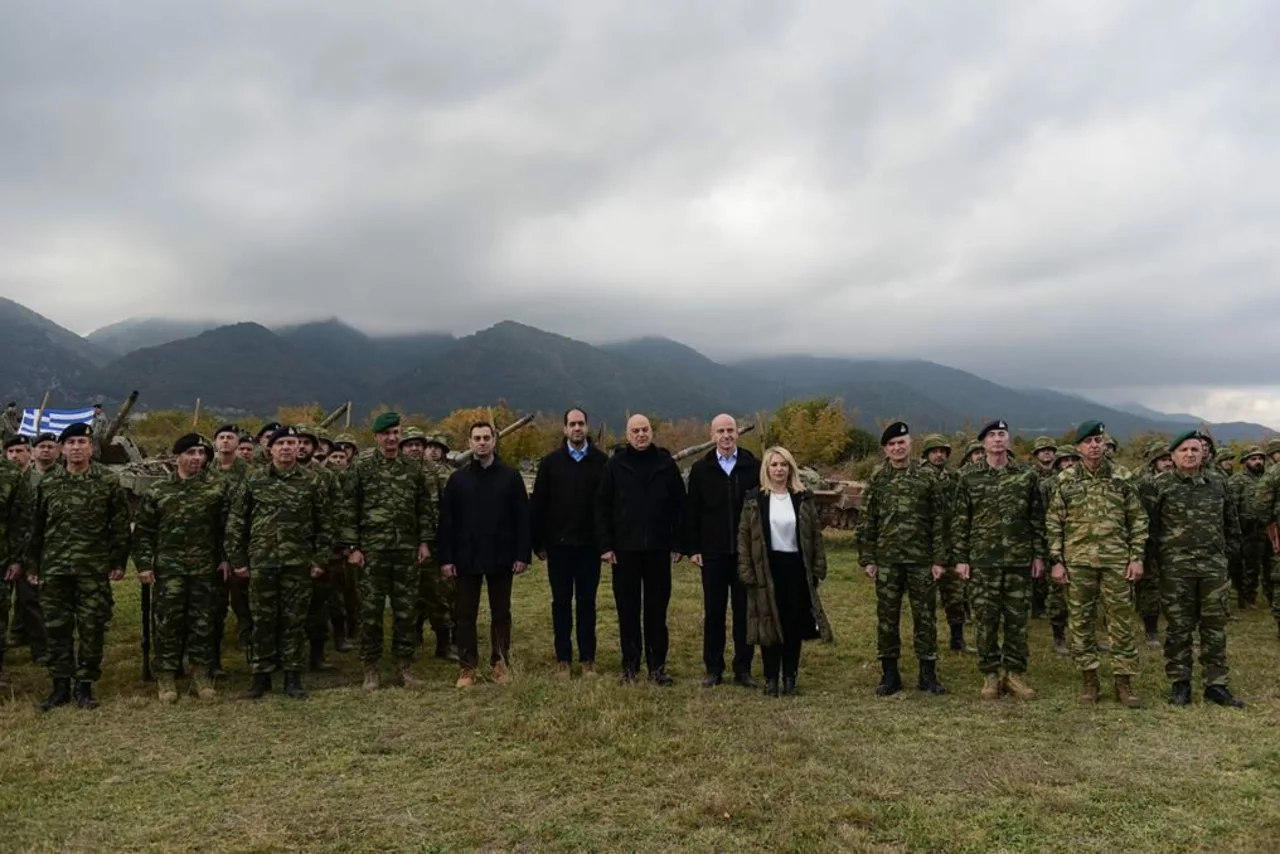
59 696
1152 625
84 695
957 637
293 685
214 670
1125 695
404 674
1016 687
1180 695
317 663
771 687
1089 695
1222 696
259 686
500 674
340 642
372 679
445 650
789 686
204 687
564 672
1059 639
990 687
929 679
890 678
167 689
466 678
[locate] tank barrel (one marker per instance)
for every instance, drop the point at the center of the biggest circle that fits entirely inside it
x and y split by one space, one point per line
121 417
685 453
335 415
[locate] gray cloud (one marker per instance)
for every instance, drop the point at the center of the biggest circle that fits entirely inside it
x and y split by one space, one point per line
1078 195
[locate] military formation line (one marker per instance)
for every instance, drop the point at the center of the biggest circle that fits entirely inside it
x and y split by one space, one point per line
306 541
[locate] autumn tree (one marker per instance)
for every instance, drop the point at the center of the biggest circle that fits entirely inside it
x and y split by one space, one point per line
816 431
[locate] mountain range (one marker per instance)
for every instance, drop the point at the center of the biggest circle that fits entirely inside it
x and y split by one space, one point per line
248 367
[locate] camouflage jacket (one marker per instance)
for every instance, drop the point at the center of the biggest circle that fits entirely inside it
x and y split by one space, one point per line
1264 498
387 505
902 518
1194 525
80 525
235 475
998 518
278 518
1095 518
1248 491
180 525
437 475
948 480
16 499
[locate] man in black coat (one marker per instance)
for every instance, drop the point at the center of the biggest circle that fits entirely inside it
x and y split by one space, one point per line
638 519
563 524
484 541
718 484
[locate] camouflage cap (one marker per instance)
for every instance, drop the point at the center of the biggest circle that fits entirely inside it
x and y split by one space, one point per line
1043 443
1224 455
1273 446
970 448
1155 451
412 434
438 439
1065 452
1111 442
306 431
1251 451
345 439
933 442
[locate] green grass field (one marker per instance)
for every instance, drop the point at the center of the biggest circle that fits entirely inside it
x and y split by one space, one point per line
546 766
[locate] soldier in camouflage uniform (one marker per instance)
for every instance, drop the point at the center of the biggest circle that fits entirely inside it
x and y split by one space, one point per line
1055 605
278 536
322 587
437 595
999 545
1043 453
389 520
1255 546
15 516
1146 593
28 623
1226 460
951 587
1264 505
1097 532
973 454
177 545
79 544
1272 567
10 421
344 601
232 592
901 546
1194 528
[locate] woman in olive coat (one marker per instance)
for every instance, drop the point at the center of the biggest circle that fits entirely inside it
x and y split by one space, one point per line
781 561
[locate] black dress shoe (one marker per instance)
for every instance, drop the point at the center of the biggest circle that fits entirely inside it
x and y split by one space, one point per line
1220 695
259 686
59 696
744 679
771 687
84 695
788 686
711 680
661 677
1181 694
628 677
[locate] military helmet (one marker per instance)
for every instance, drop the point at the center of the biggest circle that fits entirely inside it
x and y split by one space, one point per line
345 440
1223 455
308 431
1110 442
1273 446
933 442
971 447
412 434
1065 451
1043 443
1155 451
1251 451
438 439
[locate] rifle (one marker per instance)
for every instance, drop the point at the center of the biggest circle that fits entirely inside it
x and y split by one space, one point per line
146 634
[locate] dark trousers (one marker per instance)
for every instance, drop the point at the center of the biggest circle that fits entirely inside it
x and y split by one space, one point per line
720 590
27 622
783 659
499 584
574 571
642 590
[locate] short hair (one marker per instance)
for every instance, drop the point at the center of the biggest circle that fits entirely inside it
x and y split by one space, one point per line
573 409
794 484
476 425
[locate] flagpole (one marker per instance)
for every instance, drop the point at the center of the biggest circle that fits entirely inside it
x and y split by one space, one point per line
44 404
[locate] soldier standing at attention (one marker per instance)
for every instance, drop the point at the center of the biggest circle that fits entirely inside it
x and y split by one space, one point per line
28 623
244 450
900 544
1195 530
438 596
1097 531
321 587
718 485
1271 568
278 538
344 603
562 530
1043 454
1253 525
15 516
1146 593
998 525
1055 607
232 591
79 545
951 587
178 540
484 542
11 421
388 522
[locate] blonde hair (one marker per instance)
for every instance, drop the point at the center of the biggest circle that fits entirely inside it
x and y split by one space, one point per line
793 481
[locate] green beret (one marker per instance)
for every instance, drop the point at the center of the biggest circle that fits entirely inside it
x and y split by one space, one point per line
1184 437
1251 451
1043 443
412 434
385 422
933 442
1088 430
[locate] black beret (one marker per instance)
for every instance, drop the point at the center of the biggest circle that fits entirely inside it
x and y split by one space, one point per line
226 428
15 441
1183 437
282 433
269 427
245 437
73 430
894 431
45 437
189 441
991 425
1089 429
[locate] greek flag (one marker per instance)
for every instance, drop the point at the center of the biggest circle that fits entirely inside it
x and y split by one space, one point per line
53 420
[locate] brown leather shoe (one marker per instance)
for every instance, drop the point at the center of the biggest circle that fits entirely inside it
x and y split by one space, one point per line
1017 688
589 670
372 679
564 672
991 687
501 675
466 678
1089 696
1125 695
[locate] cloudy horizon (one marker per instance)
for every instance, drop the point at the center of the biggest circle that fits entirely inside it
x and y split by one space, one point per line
1065 195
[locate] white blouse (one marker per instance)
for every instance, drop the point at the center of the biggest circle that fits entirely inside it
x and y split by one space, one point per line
782 523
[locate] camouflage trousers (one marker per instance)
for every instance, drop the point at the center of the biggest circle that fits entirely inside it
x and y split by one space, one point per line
6 602
75 605
232 594
437 597
278 599
952 590
1269 581
1255 562
917 584
1055 604
182 610
1146 594
322 593
1192 604
1089 587
1001 596
344 598
27 624
394 576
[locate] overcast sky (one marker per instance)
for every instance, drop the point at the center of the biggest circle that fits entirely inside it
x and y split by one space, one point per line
1080 195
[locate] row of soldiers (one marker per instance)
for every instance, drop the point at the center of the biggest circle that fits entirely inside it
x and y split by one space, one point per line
1068 534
